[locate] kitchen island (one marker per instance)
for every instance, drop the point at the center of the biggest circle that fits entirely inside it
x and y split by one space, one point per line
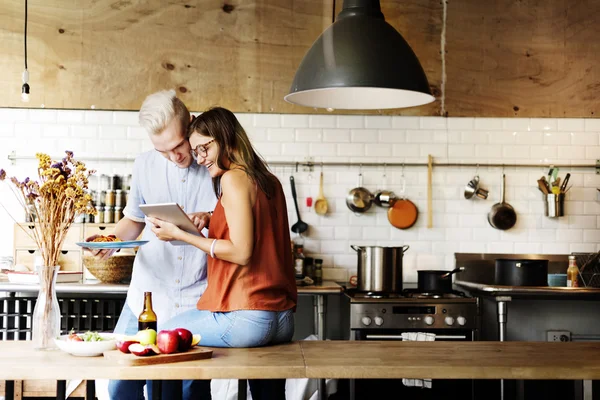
326 359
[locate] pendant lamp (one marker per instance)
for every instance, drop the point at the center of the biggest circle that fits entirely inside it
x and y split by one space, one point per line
360 63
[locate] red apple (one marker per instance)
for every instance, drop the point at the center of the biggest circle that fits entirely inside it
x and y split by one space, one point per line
185 339
167 341
123 345
143 351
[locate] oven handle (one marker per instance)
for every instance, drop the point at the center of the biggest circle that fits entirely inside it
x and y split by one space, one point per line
399 337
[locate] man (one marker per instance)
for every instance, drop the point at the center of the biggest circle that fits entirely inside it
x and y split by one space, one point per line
176 275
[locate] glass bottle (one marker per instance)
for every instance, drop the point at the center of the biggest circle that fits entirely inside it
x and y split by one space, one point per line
318 271
147 319
299 257
573 273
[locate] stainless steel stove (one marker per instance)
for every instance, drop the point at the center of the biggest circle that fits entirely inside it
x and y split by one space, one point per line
450 316
411 311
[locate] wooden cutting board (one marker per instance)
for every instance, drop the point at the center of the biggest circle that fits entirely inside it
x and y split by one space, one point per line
197 353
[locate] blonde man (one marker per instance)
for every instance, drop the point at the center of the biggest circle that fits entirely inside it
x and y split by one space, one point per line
176 275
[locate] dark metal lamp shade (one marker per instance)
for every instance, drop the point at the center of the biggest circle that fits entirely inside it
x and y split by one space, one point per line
360 63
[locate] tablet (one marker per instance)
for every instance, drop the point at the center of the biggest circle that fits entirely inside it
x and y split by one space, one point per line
171 212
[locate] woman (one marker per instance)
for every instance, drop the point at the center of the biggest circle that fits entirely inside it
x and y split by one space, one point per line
251 291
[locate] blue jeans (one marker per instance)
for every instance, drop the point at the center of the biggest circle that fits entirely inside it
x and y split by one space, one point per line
134 390
243 328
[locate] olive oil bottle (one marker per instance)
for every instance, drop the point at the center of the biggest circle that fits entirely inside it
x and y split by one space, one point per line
147 319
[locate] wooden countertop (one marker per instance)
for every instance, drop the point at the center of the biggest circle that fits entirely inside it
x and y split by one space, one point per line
456 360
328 359
19 361
93 286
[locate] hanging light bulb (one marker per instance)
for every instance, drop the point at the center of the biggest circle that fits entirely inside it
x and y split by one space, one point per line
25 76
25 87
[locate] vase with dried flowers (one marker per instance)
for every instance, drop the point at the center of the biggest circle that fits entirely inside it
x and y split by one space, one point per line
60 194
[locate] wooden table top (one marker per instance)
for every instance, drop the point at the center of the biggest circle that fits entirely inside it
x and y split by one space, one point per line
327 359
456 360
19 361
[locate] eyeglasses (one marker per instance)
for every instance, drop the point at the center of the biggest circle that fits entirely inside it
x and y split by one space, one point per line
201 150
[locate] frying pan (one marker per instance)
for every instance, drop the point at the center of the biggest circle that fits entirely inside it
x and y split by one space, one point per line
502 216
403 214
359 199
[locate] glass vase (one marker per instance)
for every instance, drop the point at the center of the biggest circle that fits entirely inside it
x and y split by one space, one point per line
45 324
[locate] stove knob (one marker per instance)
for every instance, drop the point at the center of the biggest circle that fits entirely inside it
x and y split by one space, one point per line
461 321
366 321
429 320
449 320
378 321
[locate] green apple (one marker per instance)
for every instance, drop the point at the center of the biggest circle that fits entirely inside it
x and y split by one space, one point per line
145 337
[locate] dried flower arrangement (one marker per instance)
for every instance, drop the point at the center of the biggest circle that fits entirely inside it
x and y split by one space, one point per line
56 199
58 196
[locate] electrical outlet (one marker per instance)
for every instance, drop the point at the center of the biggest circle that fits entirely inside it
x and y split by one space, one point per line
558 336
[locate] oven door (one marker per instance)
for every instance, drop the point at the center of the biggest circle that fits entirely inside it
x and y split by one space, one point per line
448 389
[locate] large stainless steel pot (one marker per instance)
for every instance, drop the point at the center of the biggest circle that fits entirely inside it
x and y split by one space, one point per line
379 268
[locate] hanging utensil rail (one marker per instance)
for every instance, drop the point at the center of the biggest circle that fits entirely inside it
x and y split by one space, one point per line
311 164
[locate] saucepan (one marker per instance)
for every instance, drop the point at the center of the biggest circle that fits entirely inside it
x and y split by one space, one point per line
436 281
359 199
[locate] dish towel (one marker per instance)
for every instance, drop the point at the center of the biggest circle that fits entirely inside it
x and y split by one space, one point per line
418 337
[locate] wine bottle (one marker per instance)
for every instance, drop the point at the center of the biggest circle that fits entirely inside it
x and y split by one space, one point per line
147 319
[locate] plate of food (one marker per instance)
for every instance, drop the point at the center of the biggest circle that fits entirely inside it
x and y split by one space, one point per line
87 344
111 242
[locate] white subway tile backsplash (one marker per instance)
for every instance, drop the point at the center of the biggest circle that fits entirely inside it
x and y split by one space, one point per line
286 134
571 124
42 116
267 120
543 124
55 131
378 122
294 121
406 122
7 129
336 135
433 123
322 121
351 121
584 138
364 135
591 124
488 124
557 138
98 117
460 225
466 124
69 117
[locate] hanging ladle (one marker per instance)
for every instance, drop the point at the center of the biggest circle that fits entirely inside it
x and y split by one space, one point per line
300 226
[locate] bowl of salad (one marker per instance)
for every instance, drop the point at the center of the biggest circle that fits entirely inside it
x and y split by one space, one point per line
87 344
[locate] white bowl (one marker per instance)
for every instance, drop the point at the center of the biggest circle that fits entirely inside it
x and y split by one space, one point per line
87 349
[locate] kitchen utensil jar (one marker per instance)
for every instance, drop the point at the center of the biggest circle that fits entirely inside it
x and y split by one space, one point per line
554 205
379 268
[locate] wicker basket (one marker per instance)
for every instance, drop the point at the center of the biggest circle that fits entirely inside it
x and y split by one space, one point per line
116 269
589 268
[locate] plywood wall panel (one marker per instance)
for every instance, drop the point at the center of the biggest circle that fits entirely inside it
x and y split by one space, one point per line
525 58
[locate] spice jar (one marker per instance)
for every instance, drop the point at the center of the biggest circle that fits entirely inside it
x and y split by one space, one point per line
108 215
109 199
118 198
117 214
100 216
